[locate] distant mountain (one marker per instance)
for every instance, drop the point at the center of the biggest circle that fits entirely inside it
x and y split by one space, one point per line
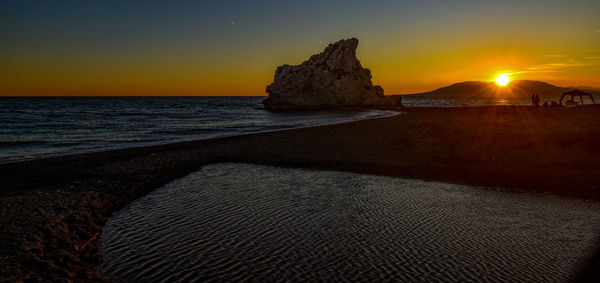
586 88
519 89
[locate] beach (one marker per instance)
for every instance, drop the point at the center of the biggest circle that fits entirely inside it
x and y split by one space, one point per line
54 209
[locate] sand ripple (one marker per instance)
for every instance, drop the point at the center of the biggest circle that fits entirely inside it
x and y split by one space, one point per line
258 223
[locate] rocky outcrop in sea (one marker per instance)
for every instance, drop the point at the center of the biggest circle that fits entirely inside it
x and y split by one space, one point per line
333 78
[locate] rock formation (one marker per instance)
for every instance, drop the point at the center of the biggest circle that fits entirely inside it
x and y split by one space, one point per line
330 79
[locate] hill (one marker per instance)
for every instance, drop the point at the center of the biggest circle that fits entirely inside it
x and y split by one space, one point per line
519 89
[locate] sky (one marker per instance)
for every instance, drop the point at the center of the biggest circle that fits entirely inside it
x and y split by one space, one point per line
232 48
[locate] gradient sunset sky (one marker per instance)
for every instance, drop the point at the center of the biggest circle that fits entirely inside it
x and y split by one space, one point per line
234 47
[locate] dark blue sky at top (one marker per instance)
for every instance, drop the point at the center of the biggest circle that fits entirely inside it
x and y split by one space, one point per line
178 22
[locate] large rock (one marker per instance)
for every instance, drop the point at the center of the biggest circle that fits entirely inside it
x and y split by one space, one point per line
330 79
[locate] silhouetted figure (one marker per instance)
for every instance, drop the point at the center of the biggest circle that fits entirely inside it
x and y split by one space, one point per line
536 101
533 100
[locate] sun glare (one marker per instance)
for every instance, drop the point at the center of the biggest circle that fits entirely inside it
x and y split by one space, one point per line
502 80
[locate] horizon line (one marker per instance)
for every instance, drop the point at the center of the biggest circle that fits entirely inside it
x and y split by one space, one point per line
583 87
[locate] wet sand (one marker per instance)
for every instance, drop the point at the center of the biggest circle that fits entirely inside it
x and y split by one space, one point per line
256 223
53 208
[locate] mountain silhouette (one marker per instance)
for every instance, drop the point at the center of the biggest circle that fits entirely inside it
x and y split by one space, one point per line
518 89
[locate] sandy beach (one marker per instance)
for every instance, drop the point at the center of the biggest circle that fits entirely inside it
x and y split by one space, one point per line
53 209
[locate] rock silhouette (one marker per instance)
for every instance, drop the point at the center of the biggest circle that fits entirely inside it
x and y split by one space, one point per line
333 78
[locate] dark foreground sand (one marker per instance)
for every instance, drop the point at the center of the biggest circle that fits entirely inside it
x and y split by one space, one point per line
52 209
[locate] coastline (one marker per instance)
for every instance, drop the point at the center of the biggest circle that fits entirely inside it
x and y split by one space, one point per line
53 208
368 113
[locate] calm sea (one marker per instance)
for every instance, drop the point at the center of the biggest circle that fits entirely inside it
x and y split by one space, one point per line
41 127
417 100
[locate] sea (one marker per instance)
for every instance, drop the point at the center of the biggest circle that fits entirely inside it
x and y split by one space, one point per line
40 127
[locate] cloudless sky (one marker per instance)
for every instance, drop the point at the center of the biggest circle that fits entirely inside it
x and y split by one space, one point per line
233 47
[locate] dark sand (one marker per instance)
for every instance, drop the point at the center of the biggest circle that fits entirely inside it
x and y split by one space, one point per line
53 208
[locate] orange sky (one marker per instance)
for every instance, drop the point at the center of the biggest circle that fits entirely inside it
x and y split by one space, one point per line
114 48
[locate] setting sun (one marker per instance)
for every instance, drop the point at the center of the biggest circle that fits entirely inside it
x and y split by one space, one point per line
502 80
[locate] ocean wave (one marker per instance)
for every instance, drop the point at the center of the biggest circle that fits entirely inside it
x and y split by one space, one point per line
185 131
20 143
70 125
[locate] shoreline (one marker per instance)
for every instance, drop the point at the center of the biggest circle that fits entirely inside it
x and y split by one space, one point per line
52 209
150 144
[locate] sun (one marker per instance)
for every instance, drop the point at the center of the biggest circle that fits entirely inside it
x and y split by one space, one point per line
502 80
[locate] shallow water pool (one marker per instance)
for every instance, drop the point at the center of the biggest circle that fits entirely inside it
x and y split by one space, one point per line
260 223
